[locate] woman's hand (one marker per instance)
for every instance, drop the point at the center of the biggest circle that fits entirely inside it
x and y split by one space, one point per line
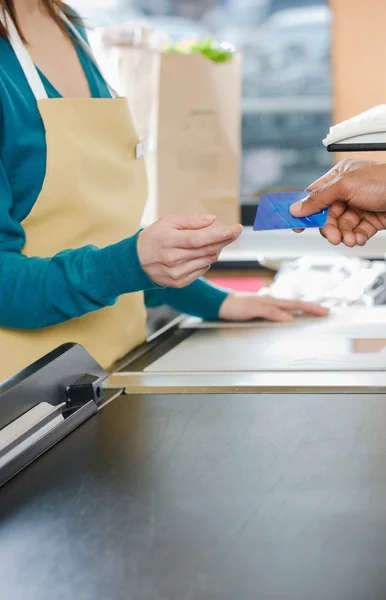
175 251
246 307
355 193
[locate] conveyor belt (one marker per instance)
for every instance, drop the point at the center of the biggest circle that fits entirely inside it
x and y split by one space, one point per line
205 497
234 484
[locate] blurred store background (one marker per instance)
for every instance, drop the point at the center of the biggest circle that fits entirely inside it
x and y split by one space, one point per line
287 96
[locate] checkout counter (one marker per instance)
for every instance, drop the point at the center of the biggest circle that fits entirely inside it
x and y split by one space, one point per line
217 462
237 462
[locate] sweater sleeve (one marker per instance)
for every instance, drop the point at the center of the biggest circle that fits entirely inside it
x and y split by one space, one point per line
199 299
38 292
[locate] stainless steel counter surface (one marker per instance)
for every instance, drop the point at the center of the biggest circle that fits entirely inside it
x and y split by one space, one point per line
351 339
343 352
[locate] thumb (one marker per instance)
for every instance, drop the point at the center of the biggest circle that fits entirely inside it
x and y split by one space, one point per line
319 199
191 221
348 164
326 178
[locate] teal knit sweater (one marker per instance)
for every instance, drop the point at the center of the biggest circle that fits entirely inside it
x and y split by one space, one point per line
38 292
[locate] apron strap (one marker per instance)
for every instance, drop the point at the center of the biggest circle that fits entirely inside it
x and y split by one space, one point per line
26 62
24 58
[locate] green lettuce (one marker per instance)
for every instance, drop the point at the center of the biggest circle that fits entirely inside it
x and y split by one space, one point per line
215 51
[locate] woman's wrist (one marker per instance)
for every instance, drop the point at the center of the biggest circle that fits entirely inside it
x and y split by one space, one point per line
200 299
116 269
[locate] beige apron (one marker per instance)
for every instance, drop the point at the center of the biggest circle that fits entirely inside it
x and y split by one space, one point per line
94 192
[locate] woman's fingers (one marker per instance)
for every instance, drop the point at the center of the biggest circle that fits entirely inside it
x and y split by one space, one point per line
183 255
173 248
193 276
195 240
271 312
184 270
296 305
190 222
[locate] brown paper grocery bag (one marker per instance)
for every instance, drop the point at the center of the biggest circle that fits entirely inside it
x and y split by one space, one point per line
138 73
198 138
189 108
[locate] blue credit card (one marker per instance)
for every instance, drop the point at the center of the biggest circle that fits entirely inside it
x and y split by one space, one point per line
273 213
